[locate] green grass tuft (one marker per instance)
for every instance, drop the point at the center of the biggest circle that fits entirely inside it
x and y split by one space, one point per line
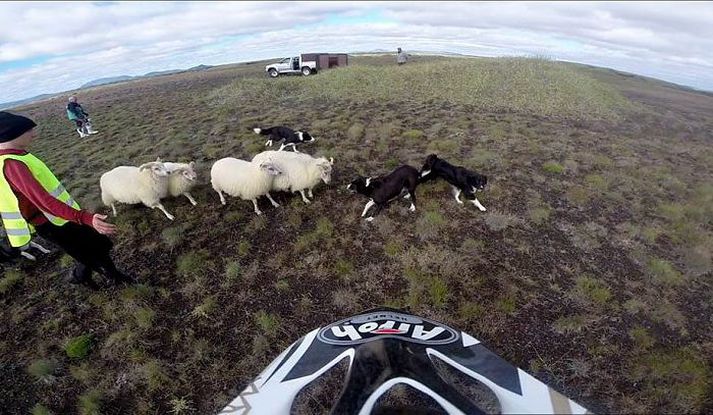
234 216
553 167
173 236
434 218
204 309
471 311
282 285
233 271
393 248
133 293
144 317
680 377
499 221
244 248
592 290
155 376
82 372
444 147
356 131
90 402
345 300
578 195
430 224
597 182
663 273
540 215
269 324
392 163
78 347
40 409
439 292
43 370
181 406
322 231
343 268
641 338
412 134
193 264
472 246
11 279
508 303
570 324
324 228
66 261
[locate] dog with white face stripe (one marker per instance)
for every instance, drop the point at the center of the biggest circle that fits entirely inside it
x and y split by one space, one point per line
384 189
461 179
288 136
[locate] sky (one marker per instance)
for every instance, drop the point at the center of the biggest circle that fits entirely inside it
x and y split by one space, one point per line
50 47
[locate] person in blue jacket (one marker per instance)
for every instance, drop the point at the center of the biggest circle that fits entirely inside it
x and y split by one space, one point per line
76 113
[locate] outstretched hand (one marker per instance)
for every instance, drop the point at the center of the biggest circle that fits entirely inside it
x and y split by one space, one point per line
104 228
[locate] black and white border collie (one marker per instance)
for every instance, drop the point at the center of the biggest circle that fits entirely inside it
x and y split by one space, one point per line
280 133
384 189
460 179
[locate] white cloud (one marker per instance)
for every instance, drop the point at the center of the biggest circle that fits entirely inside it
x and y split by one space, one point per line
85 40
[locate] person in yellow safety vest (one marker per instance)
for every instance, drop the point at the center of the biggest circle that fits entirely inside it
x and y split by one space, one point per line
33 200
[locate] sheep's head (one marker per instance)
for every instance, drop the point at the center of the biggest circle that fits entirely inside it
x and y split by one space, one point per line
188 172
325 169
156 168
270 168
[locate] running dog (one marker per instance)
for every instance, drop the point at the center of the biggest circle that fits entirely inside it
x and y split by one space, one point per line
288 136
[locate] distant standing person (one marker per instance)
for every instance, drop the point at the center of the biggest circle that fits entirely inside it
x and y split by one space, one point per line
32 200
76 113
401 57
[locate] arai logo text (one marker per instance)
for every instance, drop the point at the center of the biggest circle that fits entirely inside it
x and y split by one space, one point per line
375 326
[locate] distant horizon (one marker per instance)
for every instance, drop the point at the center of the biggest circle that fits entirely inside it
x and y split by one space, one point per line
50 95
66 44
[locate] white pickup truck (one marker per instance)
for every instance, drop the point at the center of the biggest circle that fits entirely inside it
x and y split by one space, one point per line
307 64
295 65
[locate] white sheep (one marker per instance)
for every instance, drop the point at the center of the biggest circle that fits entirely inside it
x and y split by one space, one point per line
182 178
244 179
128 184
300 171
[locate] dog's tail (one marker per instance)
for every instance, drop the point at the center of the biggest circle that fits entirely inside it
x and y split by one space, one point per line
263 131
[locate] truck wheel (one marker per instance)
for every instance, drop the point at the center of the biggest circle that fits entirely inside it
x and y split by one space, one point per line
273 73
306 71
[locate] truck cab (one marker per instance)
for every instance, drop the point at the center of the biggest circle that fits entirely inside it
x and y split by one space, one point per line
295 65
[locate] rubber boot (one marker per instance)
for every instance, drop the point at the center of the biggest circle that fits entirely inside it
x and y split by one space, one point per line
82 275
110 271
90 129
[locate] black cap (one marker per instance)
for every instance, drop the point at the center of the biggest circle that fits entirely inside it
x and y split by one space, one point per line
13 126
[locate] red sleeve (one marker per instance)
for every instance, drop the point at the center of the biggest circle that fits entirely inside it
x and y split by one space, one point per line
22 180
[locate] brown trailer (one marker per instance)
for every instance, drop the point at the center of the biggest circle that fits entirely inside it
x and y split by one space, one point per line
327 60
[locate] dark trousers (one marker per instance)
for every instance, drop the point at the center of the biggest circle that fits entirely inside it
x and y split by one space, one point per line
88 247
